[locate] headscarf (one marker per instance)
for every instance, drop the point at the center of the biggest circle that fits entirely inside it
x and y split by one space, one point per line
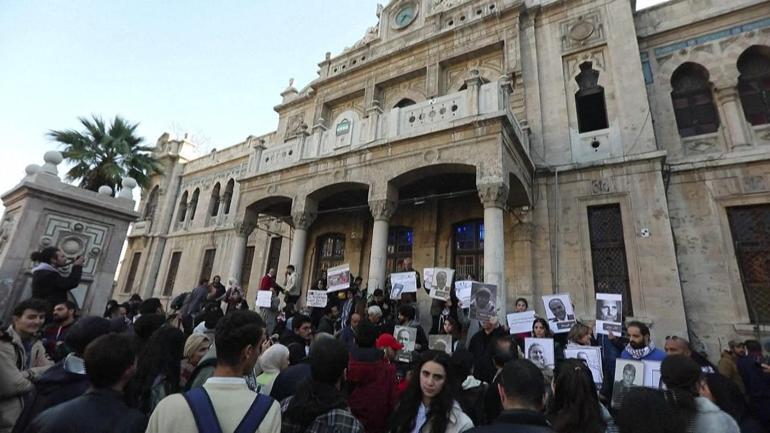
193 342
274 359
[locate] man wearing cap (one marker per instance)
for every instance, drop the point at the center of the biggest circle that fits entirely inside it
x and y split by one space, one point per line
372 381
727 365
389 345
67 379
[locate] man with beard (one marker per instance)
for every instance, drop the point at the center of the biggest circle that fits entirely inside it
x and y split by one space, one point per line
640 346
559 310
406 318
55 334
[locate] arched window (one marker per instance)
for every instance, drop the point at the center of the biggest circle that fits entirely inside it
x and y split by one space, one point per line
468 249
182 214
754 84
331 252
152 204
194 203
590 104
404 103
228 197
214 202
400 241
693 102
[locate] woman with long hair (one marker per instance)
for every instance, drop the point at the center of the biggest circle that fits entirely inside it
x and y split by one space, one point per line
428 404
683 379
645 410
540 328
158 369
451 326
575 407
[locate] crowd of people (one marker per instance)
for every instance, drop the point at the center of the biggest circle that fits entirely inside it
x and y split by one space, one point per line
210 362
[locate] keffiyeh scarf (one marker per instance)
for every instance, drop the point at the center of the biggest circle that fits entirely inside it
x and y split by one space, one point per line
640 353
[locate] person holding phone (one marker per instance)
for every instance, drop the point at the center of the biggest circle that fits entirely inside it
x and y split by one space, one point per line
47 282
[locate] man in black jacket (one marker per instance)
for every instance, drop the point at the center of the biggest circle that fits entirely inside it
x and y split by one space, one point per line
109 362
483 350
47 283
522 393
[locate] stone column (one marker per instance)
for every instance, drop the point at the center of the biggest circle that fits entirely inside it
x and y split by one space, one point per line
493 196
302 221
374 112
382 211
727 97
473 85
242 231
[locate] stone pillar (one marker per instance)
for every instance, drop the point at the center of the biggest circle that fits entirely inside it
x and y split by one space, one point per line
493 196
382 211
473 84
242 231
727 97
373 113
255 158
302 221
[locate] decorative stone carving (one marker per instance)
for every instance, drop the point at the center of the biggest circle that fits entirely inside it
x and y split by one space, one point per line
244 228
76 237
303 220
443 5
493 194
754 184
582 31
6 227
601 186
382 210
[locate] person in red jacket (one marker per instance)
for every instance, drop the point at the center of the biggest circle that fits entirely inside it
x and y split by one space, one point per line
372 381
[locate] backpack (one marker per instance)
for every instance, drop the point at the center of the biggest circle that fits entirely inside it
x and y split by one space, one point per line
206 419
206 363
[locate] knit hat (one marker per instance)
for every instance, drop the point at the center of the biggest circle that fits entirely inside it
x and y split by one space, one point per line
193 342
84 331
387 340
680 372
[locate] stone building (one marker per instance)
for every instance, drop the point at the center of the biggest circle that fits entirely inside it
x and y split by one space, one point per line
542 145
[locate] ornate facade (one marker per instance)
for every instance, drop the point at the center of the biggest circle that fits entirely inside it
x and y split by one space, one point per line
542 145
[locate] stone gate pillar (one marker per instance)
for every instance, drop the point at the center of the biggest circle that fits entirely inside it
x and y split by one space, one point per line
493 196
42 211
381 210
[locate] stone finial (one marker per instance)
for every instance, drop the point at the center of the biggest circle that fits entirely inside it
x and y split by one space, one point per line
129 183
52 158
105 190
32 169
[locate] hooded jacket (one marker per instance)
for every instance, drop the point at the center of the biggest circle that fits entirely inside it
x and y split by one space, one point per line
50 285
373 391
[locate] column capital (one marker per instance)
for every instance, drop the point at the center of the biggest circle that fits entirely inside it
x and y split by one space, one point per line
493 194
244 228
382 210
303 219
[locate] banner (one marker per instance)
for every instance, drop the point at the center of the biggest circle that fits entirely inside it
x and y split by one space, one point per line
338 278
402 282
609 313
264 297
521 322
483 298
558 310
442 343
439 282
316 298
463 292
540 351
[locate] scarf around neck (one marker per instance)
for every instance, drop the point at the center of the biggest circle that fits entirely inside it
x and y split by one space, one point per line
640 353
44 267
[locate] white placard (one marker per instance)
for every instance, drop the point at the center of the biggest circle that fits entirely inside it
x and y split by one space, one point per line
609 313
628 374
652 374
463 292
540 351
407 336
439 283
442 343
558 310
403 282
483 299
264 298
338 278
592 356
521 322
317 298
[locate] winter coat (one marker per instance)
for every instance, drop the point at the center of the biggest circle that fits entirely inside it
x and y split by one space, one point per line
15 381
472 399
729 369
373 391
459 422
481 348
50 285
710 419
518 421
97 411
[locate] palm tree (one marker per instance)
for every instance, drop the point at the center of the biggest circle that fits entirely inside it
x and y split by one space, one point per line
104 156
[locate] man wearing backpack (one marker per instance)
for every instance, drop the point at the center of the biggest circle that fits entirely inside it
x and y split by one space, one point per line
224 404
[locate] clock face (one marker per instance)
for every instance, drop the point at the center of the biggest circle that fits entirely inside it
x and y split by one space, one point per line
404 16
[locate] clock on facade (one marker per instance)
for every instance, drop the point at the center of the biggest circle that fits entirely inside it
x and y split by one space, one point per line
404 16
